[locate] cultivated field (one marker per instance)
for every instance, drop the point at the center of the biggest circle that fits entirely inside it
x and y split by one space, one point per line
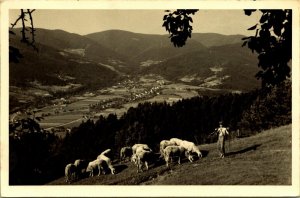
69 112
262 159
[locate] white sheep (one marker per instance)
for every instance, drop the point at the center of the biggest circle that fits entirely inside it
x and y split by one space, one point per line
96 164
175 151
107 160
70 172
125 152
176 141
80 166
142 157
163 144
191 147
144 146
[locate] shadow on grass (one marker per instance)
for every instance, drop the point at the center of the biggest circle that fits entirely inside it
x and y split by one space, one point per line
120 167
204 153
250 148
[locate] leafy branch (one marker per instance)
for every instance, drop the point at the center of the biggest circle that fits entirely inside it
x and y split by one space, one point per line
178 25
273 44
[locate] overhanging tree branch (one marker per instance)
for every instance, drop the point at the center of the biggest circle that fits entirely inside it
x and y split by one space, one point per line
177 23
273 44
272 40
14 53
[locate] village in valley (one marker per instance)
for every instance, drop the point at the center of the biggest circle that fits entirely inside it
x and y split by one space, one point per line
67 112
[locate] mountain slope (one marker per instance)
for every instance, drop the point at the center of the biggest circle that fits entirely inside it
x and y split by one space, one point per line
208 59
142 47
233 65
157 47
48 63
214 39
262 159
125 53
84 47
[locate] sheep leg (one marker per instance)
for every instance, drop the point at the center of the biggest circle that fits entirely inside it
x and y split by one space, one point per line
99 170
112 170
161 153
179 160
137 165
146 164
73 176
167 161
141 166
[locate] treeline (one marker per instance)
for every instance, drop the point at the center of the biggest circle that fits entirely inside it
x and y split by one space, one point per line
191 119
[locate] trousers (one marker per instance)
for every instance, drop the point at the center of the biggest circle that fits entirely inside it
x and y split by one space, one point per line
221 145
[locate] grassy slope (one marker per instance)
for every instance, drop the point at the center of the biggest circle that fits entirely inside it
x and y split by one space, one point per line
263 159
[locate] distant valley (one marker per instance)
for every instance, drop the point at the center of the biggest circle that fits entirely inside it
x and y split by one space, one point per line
69 65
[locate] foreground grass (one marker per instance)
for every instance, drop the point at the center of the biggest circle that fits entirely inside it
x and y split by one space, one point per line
263 159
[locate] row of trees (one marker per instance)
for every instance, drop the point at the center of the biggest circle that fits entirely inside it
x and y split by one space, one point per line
37 156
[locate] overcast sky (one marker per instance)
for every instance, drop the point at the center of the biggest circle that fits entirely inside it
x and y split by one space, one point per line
141 21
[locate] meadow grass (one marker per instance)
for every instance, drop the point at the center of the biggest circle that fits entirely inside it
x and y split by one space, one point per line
262 159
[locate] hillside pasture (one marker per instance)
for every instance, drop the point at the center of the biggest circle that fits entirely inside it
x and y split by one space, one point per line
262 159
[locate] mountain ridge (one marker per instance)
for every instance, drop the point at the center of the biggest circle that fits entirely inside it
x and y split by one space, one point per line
128 53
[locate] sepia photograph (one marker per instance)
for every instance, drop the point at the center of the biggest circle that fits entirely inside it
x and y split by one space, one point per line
141 98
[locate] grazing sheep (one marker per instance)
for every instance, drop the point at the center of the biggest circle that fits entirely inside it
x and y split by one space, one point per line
134 158
96 164
191 147
143 157
174 151
176 141
107 160
125 152
163 144
70 172
144 146
80 167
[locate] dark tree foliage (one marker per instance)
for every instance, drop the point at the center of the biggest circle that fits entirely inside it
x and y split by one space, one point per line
272 40
271 108
177 23
30 147
25 122
273 44
25 17
89 139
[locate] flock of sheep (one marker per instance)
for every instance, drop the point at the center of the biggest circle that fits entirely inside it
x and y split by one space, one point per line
139 154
